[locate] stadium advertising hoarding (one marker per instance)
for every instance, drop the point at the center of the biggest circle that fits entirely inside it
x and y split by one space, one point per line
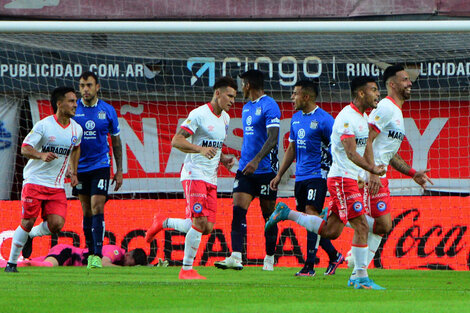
36 71
436 138
428 233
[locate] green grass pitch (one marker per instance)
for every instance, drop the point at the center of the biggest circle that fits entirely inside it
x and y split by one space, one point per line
152 289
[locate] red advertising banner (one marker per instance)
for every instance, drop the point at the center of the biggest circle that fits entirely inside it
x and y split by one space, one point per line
437 137
429 233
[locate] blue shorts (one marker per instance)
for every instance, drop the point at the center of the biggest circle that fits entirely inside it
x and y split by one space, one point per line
256 185
310 192
95 182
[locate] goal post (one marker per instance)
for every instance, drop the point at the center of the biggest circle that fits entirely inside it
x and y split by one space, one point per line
155 73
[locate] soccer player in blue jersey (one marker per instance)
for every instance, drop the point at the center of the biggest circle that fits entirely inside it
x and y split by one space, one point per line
309 145
98 119
257 167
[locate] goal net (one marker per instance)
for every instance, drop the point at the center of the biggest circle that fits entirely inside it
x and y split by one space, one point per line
154 78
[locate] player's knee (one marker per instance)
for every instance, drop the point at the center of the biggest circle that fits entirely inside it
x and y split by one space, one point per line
382 228
55 227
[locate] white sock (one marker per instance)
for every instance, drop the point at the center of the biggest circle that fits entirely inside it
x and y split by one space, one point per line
191 245
360 260
40 230
236 255
373 241
179 224
20 237
370 222
310 222
348 225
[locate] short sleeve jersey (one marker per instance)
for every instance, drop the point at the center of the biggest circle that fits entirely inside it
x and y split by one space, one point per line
97 122
207 130
114 253
257 117
387 120
48 135
311 134
349 123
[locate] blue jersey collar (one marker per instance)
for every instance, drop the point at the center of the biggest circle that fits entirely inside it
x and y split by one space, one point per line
258 99
90 106
311 112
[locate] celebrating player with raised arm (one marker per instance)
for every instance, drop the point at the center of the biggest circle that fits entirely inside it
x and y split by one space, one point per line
98 119
257 167
52 143
206 128
309 145
348 143
386 133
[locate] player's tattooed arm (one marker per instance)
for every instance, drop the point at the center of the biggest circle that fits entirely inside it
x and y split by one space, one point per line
420 177
179 142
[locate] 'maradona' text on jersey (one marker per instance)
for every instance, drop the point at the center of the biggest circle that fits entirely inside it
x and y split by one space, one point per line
311 134
97 121
207 130
257 117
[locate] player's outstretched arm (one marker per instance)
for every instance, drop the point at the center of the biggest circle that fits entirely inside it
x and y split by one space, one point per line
117 152
289 157
420 177
349 144
271 142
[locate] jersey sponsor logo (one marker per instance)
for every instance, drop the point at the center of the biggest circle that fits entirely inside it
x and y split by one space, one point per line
357 206
295 122
361 141
56 150
314 124
210 128
102 115
275 120
51 138
90 125
116 252
212 143
346 125
381 206
258 111
249 120
197 207
396 135
301 133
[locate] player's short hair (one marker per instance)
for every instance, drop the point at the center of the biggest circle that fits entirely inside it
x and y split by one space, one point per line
140 257
255 78
359 82
391 71
224 82
310 86
58 94
88 74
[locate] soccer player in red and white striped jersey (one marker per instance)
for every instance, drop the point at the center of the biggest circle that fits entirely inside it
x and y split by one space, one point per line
52 143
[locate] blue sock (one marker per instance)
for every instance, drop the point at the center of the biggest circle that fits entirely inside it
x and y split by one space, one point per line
87 225
329 249
311 248
238 228
98 233
271 237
